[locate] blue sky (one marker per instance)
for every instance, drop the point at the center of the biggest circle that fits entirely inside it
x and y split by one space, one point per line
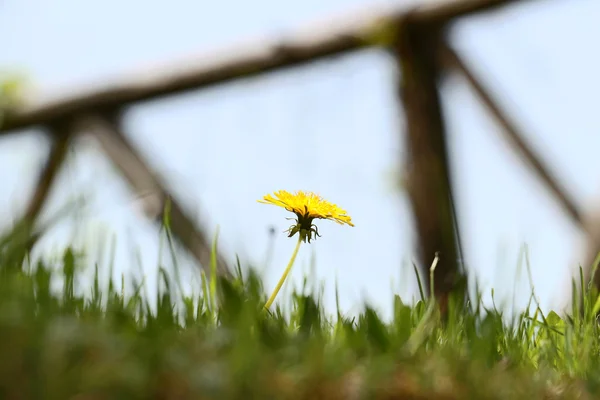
332 127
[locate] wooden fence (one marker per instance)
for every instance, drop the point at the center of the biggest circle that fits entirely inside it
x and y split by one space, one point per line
417 38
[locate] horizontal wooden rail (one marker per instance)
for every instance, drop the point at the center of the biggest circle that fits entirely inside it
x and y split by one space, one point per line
330 37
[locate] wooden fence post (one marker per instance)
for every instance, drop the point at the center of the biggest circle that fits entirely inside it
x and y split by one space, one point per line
427 171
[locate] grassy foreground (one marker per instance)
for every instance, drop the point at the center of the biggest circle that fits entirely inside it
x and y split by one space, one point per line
223 345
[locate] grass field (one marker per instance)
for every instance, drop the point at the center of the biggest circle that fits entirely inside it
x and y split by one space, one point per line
223 344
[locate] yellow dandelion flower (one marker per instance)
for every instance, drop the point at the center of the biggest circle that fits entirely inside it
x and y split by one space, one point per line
307 206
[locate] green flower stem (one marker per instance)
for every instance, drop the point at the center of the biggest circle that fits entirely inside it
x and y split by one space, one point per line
285 273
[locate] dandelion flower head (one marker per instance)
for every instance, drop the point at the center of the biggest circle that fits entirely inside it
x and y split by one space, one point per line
307 206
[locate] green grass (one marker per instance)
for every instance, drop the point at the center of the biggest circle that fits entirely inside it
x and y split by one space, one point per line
221 344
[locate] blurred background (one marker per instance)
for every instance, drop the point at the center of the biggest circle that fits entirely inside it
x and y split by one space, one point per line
332 127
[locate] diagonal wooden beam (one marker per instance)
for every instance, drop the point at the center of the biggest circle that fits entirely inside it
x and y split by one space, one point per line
24 234
516 139
61 138
325 38
143 179
587 223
